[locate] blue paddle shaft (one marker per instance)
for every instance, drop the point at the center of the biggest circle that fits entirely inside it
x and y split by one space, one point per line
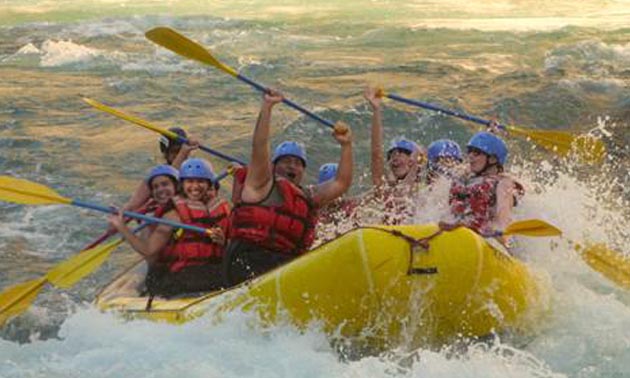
131 214
437 108
216 153
288 102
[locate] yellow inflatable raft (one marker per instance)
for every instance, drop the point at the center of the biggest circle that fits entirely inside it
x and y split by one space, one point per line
384 284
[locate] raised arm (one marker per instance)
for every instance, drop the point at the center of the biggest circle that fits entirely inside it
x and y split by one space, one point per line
333 189
377 158
184 152
259 172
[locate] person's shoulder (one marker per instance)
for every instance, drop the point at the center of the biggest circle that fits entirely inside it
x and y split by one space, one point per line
509 183
217 202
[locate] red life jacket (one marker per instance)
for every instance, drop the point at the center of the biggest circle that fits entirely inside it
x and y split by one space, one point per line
474 201
239 173
158 211
190 248
288 227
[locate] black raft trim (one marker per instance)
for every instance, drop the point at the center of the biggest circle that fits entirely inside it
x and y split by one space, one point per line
432 270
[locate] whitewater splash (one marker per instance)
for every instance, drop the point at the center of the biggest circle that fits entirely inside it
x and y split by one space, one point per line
556 78
579 337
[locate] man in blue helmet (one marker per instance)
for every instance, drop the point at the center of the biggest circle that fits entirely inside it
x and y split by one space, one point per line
183 262
398 185
483 201
274 218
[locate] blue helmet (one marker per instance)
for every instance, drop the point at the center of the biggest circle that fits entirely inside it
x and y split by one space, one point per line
327 172
490 144
444 148
163 170
165 142
289 148
402 144
197 168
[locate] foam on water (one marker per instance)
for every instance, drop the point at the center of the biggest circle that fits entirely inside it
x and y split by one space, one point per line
580 337
322 63
101 345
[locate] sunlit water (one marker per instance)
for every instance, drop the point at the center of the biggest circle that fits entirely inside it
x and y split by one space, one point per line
557 66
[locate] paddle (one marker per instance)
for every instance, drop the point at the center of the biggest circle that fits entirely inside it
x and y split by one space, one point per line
599 257
609 263
147 125
29 193
179 44
18 298
529 227
588 148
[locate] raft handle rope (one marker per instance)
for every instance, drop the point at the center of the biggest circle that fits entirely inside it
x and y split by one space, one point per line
415 245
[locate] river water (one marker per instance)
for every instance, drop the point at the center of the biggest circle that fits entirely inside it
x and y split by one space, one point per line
530 63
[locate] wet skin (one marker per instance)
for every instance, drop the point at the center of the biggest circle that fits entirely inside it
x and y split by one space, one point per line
400 163
291 168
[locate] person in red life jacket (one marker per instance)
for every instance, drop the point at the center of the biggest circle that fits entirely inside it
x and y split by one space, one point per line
483 200
174 154
396 187
185 261
274 219
163 182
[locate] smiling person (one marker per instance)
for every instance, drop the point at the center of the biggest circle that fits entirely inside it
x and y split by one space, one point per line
174 154
163 183
397 185
185 261
484 199
274 219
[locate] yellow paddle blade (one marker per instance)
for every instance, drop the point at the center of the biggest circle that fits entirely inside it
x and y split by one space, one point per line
610 264
71 271
133 119
179 44
28 193
18 298
588 148
532 227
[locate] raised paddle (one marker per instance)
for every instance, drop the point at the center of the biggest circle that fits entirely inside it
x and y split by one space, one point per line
18 298
147 125
181 45
30 193
588 148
